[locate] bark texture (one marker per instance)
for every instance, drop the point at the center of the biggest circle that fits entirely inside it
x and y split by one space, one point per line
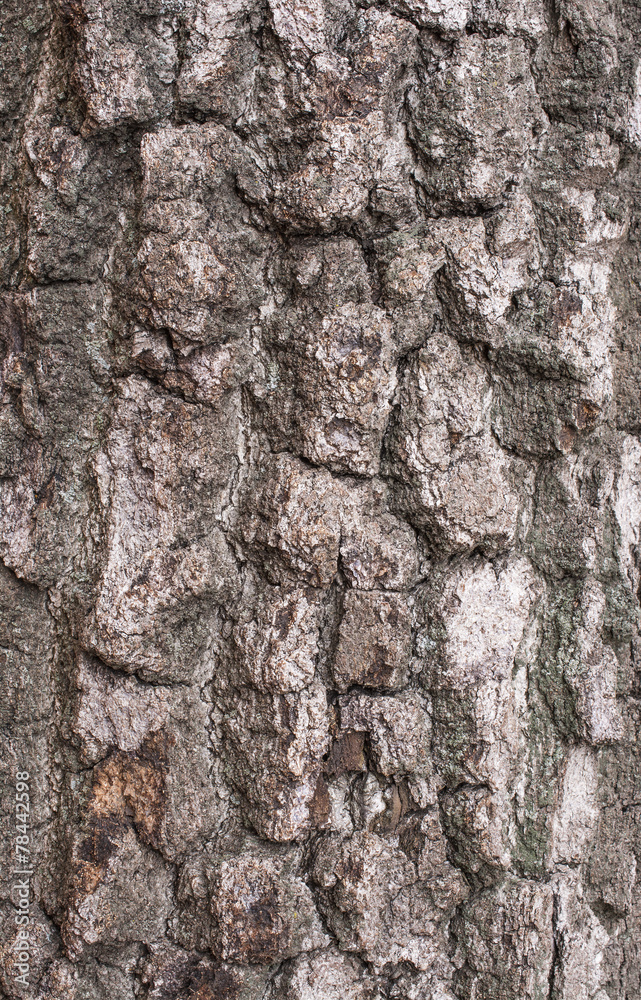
321 497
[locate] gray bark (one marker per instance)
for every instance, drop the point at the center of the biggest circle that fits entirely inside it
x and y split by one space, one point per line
320 482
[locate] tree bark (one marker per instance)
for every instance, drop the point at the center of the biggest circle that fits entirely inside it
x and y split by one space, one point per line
321 500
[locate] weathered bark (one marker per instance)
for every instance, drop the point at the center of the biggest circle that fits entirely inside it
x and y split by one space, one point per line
321 499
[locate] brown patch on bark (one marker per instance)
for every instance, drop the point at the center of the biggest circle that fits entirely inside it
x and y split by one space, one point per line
380 671
567 437
103 836
128 789
257 932
219 985
189 977
319 805
398 807
586 413
351 869
347 753
11 326
475 754
561 310
132 786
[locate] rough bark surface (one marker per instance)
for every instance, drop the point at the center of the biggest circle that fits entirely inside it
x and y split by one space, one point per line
321 497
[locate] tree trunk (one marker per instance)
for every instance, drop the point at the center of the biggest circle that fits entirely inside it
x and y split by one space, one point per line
321 494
